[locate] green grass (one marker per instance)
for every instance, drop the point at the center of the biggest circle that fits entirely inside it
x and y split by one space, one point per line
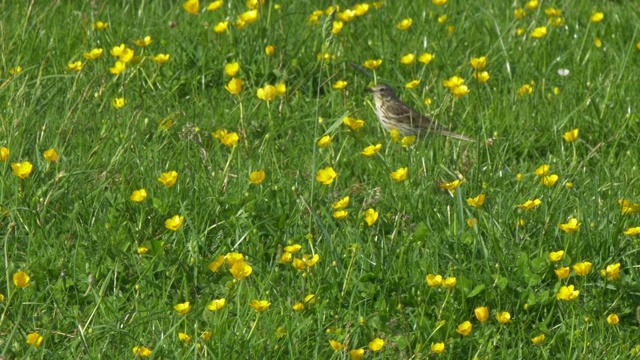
72 227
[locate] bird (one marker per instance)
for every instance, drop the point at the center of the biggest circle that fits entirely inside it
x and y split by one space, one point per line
394 114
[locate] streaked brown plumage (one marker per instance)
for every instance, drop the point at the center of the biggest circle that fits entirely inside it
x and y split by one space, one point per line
394 114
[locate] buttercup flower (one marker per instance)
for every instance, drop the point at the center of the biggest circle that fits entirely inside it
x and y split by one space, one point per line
562 272
340 214
118 102
400 175
613 319
160 59
530 204
214 5
438 348
449 282
556 255
451 186
549 180
370 216
439 2
571 135
412 84
481 76
298 307
240 270
99 25
632 231
257 177
434 280
22 170
118 68
570 226
269 50
479 63
464 328
376 344
425 58
184 337
408 140
174 223
567 293
503 317
4 153
582 268
336 345
144 42
249 17
326 175
75 66
405 24
372 64
230 139
538 339
542 170
234 86
21 279
482 313
221 27
191 6
339 85
539 32
260 305
356 354
34 339
476 201
353 123
138 195
168 179
232 69
628 208
142 351
453 82
215 265
341 204
324 141
337 27
408 59
596 16
142 250
50 155
293 248
183 308
371 150
525 89
613 271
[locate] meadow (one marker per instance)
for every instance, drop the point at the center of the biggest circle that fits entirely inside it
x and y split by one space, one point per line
210 180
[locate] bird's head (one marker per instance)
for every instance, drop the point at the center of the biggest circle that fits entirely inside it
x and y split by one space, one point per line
382 91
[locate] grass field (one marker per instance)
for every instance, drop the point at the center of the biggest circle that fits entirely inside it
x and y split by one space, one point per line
207 195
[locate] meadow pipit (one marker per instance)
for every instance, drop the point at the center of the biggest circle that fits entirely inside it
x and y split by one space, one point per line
394 114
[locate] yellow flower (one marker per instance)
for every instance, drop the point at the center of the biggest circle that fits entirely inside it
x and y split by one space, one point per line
549 180
34 339
464 328
442 19
482 313
425 58
479 63
255 4
337 27
597 42
4 153
293 248
326 175
530 204
50 154
439 3
571 135
519 176
503 317
230 139
520 31
437 348
449 282
408 140
405 24
118 102
281 89
451 29
346 15
183 308
451 186
525 89
353 123
260 305
257 177
234 257
372 64
370 216
298 307
340 214
221 27
174 223
613 319
582 268
596 16
324 141
299 264
206 335
356 354
285 257
519 13
556 255
542 170
249 17
395 135
361 9
269 50
570 226
126 55
267 92
117 68
460 91
538 339
376 344
481 76
232 69
75 66
215 265
142 250
567 293
138 195
15 70
341 204
310 299
336 345
412 84
408 59
144 42
99 25
22 170
117 50
339 85
142 351
613 271
531 4
160 58
453 82
21 279
562 272
471 222
168 179
400 174
310 260
184 337
476 201
191 6
628 208
240 270
234 86
434 280
539 32
371 150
